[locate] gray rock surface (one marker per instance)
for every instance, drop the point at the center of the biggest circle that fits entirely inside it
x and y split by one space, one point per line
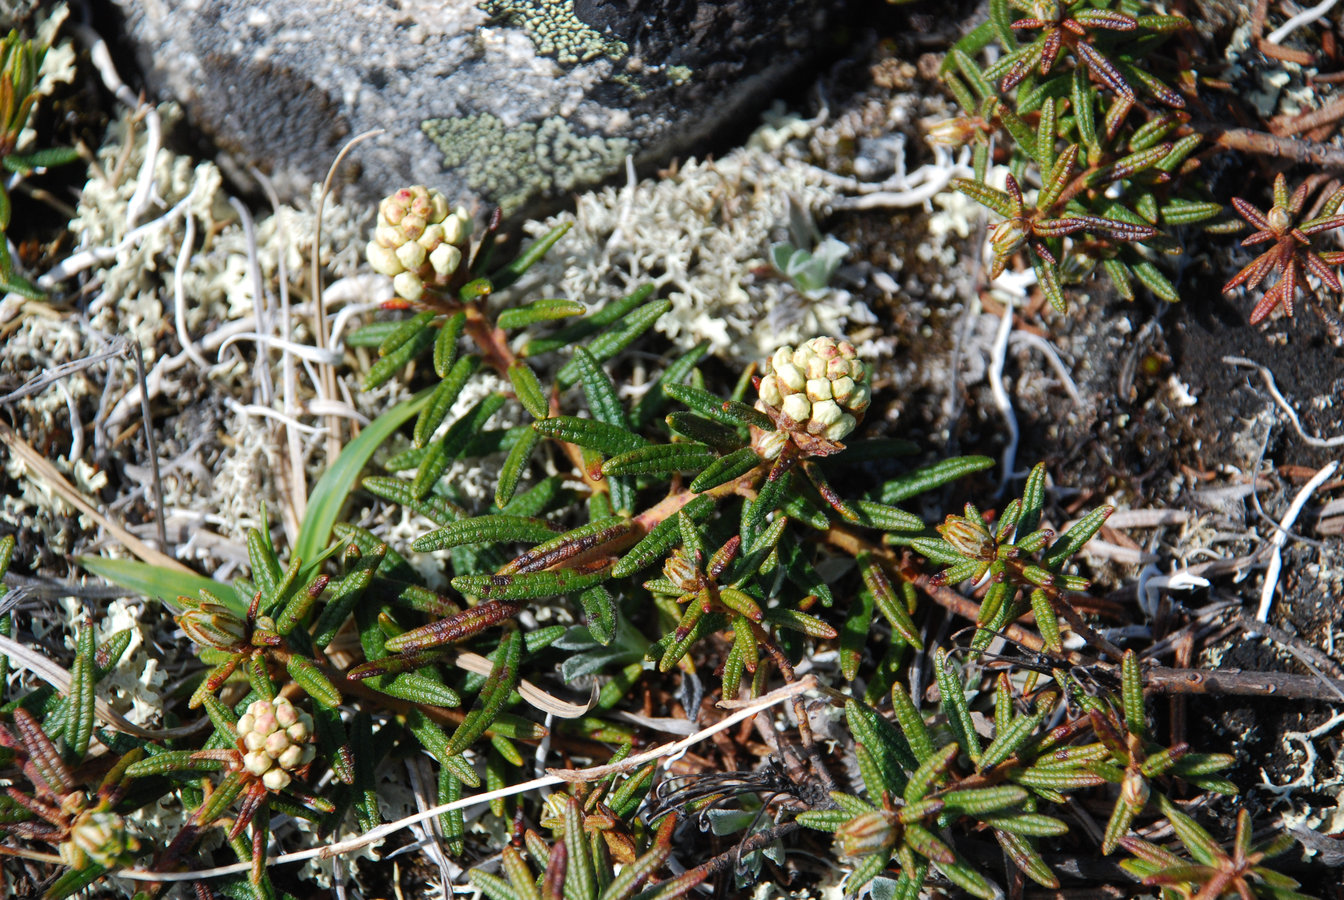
508 102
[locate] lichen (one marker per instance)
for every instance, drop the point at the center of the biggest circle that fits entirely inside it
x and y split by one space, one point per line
512 166
555 30
701 236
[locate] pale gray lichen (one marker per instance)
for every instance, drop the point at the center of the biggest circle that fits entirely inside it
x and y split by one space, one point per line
513 166
555 30
701 236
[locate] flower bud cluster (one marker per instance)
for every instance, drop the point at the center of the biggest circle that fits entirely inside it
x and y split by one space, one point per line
418 242
98 836
822 387
275 737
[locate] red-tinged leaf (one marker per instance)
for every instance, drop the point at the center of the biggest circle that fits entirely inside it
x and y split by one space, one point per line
1323 272
1251 214
611 532
1103 69
43 760
1023 64
469 622
1105 18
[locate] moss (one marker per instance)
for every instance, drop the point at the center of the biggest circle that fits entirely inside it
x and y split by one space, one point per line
555 30
514 166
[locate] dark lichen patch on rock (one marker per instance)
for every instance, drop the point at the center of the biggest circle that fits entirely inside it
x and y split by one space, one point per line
515 166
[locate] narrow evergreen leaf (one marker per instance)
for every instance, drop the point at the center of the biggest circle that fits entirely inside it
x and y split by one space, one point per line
660 459
538 311
511 472
529 585
502 278
504 676
572 334
446 449
406 343
443 398
492 529
607 439
933 476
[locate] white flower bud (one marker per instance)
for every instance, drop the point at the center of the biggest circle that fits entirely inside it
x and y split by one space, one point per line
383 260
256 762
456 228
432 237
783 356
796 407
802 355
298 732
824 414
770 444
438 206
412 227
277 743
254 741
286 714
859 400
246 723
818 389
791 376
770 392
276 779
842 388
816 368
841 428
445 259
291 757
408 286
411 255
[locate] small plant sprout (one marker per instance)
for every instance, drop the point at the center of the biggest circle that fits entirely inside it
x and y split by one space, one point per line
1292 255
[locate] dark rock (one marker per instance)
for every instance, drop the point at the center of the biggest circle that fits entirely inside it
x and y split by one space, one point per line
505 102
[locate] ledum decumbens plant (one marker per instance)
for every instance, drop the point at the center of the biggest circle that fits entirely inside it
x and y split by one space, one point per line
631 541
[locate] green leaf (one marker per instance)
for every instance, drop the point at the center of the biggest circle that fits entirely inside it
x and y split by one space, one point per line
442 400
330 493
890 750
504 676
572 334
599 610
453 442
80 710
661 538
308 676
599 390
933 476
892 607
617 338
854 634
954 703
528 585
511 472
503 277
165 584
410 339
1073 540
726 469
528 390
539 311
485 530
608 439
445 342
660 459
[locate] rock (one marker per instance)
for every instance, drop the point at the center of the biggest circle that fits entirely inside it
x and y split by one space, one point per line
505 102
